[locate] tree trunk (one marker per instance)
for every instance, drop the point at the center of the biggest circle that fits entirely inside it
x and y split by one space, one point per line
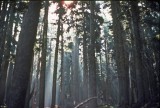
27 99
43 62
137 52
108 79
92 60
3 28
85 60
23 63
56 61
12 61
62 101
75 72
6 57
120 53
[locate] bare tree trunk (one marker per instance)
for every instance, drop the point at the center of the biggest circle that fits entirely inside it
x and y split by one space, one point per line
3 28
108 79
43 62
85 60
138 53
120 53
24 56
6 57
62 101
92 60
56 61
27 99
75 72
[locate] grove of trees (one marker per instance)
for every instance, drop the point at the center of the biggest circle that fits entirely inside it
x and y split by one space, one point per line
79 54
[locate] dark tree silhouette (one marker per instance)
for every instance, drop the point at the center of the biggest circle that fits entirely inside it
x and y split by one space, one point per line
24 56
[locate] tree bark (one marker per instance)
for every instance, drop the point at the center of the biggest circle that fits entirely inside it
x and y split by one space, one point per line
92 60
120 53
108 79
56 61
6 57
85 60
75 72
137 52
62 101
23 62
3 28
43 62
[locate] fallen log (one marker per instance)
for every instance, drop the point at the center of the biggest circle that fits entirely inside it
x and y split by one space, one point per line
84 102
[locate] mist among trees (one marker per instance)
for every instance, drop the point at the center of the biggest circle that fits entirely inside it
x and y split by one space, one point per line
79 54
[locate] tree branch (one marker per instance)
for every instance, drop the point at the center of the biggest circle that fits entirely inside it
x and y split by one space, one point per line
87 100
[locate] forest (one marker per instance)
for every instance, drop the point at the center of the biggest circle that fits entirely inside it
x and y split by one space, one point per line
79 54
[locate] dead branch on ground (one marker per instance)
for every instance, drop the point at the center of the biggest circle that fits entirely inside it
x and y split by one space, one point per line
85 101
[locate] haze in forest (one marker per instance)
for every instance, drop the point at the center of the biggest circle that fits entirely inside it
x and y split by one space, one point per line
79 54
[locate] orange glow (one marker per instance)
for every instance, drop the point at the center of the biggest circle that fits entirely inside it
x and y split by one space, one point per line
68 2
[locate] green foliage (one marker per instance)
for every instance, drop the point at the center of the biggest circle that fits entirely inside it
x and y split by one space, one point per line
105 106
21 6
60 11
37 47
156 43
153 5
99 19
70 45
68 29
